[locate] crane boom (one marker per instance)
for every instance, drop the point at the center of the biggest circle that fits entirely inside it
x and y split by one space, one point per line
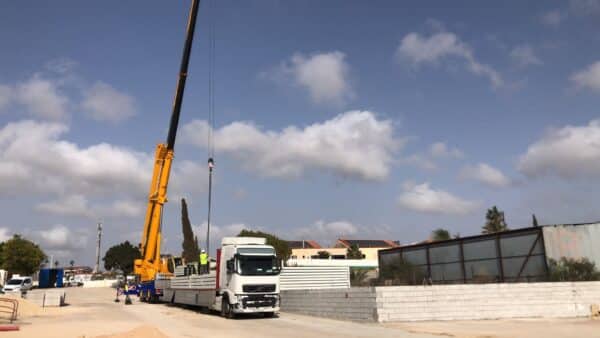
150 263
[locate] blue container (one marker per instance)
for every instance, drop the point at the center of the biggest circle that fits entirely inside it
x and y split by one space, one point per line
50 278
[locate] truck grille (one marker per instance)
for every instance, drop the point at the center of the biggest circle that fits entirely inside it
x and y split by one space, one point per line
259 288
259 301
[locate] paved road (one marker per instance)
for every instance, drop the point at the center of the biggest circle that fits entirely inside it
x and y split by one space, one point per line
92 312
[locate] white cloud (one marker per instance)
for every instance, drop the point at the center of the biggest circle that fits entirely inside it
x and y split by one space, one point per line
5 234
61 242
585 7
61 65
524 55
75 205
588 77
553 17
420 49
321 230
324 75
78 205
353 144
422 198
33 157
36 161
437 151
569 152
102 102
122 208
6 95
485 174
442 150
42 98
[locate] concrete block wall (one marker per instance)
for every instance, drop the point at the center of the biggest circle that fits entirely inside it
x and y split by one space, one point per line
486 301
447 302
356 304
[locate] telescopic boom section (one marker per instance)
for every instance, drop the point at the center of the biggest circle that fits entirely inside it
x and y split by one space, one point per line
150 263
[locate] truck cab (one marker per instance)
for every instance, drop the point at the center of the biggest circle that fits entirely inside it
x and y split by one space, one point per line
247 277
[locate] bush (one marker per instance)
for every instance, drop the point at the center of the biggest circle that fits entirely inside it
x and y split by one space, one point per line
573 270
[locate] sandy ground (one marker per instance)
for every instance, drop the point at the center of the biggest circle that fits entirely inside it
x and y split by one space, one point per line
92 313
547 328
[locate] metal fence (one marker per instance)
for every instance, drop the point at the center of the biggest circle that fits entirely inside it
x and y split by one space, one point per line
510 256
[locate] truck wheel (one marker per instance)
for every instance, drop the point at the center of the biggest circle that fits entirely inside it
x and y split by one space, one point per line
226 309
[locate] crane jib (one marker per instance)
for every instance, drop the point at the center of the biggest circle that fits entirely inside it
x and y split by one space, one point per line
185 60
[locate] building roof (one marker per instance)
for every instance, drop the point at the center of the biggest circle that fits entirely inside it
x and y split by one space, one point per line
304 244
366 243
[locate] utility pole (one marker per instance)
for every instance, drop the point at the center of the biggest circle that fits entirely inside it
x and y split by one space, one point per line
97 267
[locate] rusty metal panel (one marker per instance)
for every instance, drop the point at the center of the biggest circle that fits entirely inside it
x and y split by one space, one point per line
574 241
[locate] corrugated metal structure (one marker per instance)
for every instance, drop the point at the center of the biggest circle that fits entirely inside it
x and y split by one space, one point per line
314 277
573 241
519 255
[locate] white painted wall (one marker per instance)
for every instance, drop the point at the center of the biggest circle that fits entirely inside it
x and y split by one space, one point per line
353 263
314 277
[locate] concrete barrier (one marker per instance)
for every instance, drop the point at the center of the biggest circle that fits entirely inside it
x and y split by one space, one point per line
447 302
357 304
47 298
105 283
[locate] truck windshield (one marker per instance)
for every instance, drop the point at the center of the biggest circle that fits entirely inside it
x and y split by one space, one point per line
258 265
15 282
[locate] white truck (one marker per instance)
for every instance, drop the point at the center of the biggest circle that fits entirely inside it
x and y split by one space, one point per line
245 279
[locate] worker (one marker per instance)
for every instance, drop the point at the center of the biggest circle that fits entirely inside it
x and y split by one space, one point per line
203 262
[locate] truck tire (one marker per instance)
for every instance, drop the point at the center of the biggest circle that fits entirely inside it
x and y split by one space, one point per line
226 309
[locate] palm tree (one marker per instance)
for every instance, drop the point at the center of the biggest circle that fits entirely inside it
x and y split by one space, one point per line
494 221
72 263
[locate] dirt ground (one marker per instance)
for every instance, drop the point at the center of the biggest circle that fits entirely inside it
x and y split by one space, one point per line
92 313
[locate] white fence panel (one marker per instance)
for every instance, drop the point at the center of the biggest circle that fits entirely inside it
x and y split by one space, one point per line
314 277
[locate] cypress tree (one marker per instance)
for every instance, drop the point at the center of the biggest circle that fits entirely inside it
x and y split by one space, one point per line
190 242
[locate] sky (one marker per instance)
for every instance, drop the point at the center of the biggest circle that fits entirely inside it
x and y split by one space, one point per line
354 119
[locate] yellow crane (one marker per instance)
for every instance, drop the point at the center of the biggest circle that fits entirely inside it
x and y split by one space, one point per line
150 263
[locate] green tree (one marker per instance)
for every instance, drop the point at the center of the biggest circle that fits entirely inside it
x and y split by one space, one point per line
282 248
190 242
323 254
494 221
21 256
353 252
534 221
121 256
72 263
358 276
572 270
440 234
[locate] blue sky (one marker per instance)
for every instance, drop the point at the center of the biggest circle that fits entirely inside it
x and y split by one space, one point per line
358 119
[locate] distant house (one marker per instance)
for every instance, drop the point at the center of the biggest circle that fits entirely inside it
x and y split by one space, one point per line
368 247
304 244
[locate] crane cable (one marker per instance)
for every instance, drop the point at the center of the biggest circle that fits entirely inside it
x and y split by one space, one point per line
211 115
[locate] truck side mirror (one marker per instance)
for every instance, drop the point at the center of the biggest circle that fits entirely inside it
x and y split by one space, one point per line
230 266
